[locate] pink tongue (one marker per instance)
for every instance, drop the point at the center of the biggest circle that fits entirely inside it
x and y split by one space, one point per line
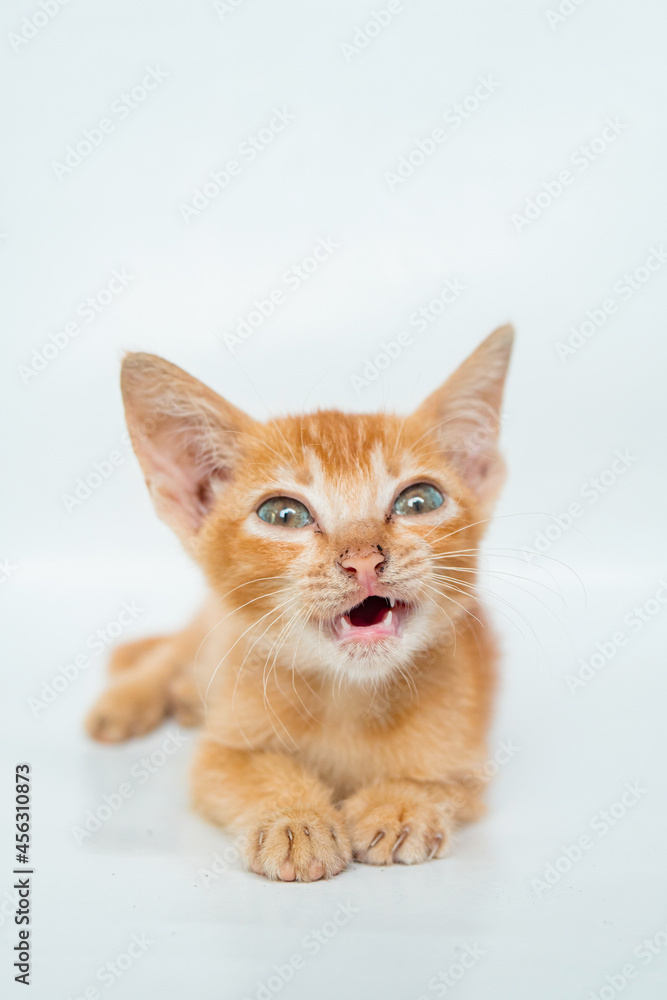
370 612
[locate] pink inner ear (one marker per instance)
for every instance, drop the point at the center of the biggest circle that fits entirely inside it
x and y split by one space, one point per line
476 469
178 476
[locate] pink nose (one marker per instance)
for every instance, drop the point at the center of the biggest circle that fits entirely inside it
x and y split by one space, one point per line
365 569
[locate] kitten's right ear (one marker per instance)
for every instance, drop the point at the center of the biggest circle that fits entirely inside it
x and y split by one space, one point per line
462 417
186 437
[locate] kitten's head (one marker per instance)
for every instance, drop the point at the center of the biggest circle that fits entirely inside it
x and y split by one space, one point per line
355 533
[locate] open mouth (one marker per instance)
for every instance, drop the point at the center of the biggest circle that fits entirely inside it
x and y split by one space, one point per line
375 618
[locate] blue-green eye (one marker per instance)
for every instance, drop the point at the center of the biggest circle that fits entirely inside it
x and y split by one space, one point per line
418 499
285 511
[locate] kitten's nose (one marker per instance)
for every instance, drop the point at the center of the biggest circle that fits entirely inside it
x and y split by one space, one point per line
365 568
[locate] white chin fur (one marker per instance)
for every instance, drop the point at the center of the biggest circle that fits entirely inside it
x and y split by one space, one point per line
367 663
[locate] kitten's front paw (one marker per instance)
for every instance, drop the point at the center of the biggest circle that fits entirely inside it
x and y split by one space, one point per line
127 708
299 845
398 822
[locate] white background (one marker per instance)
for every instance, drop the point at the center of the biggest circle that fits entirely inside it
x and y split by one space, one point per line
324 176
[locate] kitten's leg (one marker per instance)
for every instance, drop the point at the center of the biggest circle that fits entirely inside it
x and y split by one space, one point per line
137 698
145 685
407 822
292 830
130 653
185 699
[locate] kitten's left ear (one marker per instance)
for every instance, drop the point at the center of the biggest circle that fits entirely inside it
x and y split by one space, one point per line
463 416
188 440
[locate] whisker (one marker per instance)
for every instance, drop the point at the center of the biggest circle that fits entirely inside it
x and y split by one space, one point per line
412 687
440 608
455 602
499 552
285 629
238 640
229 614
465 593
497 597
470 593
270 711
249 651
293 671
503 573
499 517
266 676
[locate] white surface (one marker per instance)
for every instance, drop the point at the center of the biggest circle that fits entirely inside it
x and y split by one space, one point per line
324 177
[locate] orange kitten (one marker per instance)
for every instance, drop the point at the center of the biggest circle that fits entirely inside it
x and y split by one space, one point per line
342 661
